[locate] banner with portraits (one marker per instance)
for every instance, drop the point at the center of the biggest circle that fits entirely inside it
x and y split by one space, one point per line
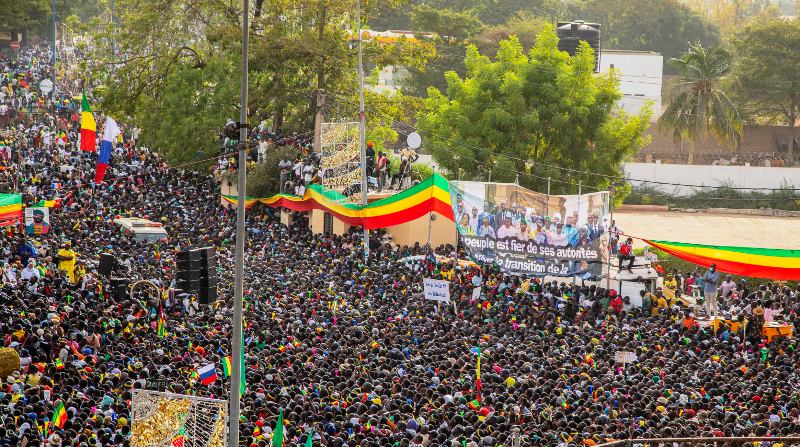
526 232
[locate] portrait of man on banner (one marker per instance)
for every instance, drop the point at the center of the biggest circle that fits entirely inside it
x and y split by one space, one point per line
37 220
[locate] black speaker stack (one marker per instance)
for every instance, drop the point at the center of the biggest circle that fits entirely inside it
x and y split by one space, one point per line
196 272
119 286
107 262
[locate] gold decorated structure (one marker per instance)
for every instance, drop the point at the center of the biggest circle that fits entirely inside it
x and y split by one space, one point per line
165 419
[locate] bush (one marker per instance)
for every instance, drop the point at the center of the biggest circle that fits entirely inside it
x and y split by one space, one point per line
724 197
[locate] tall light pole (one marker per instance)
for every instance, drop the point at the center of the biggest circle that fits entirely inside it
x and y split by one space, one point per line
238 287
53 57
362 133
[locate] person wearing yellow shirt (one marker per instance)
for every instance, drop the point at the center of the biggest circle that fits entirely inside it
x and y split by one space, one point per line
661 303
66 261
448 274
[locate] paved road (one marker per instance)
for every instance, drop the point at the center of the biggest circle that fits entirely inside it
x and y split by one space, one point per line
715 229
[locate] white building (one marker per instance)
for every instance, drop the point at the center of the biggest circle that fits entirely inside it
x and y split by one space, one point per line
640 76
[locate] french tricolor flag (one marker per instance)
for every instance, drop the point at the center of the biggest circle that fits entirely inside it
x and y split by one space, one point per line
207 374
110 134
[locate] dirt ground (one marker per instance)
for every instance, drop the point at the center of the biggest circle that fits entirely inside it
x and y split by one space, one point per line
713 229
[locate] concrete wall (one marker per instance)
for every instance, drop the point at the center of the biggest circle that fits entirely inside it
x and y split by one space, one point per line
640 77
442 231
710 175
760 146
316 221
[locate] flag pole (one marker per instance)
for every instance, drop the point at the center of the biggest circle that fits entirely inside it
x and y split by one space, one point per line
362 132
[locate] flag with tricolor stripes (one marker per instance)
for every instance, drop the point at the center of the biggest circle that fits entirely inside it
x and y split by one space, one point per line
88 126
10 209
226 366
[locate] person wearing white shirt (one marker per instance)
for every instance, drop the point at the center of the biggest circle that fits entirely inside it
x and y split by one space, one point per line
30 271
507 230
727 286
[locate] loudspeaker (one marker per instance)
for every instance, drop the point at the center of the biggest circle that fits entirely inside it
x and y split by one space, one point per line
190 264
209 281
209 257
196 272
120 287
189 275
207 295
106 266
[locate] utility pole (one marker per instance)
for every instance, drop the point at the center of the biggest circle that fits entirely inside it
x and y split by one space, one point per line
53 57
362 132
610 224
238 288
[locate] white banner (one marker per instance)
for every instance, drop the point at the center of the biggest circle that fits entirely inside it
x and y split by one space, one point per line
624 357
437 290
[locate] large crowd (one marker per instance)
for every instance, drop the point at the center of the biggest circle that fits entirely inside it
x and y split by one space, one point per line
346 348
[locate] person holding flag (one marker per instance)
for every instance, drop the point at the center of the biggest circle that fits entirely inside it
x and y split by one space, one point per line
110 134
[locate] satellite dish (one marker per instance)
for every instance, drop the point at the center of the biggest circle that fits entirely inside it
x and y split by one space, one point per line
46 86
413 140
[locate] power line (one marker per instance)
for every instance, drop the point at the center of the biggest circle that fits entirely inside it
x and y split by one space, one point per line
577 171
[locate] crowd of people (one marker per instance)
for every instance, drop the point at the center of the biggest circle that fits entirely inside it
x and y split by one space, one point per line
309 167
345 347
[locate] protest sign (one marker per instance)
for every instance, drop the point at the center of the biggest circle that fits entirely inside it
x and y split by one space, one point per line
37 220
525 232
624 357
437 290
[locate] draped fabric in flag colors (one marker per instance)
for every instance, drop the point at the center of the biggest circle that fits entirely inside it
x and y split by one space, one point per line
10 209
110 134
743 261
88 127
429 195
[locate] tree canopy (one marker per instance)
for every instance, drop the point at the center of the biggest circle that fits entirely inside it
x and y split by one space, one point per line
698 104
522 114
174 64
663 26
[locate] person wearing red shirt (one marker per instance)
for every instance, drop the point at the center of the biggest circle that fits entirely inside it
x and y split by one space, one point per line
616 302
626 253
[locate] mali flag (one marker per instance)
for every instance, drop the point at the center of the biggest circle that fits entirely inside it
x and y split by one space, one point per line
60 416
226 366
59 364
88 127
10 209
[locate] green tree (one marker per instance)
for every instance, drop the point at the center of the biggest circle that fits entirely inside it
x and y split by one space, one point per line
194 105
768 72
698 104
531 115
452 27
524 25
663 26
36 15
294 51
